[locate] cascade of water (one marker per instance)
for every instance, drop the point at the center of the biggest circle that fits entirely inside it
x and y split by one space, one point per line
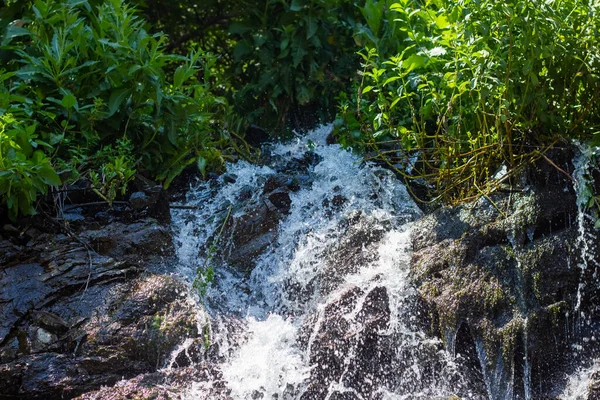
332 290
583 183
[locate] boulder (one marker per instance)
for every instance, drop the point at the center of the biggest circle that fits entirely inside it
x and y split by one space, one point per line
253 227
73 319
165 384
363 335
500 275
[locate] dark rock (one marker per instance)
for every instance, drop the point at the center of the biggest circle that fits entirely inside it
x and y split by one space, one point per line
256 136
281 199
302 164
344 331
503 271
151 198
249 235
246 236
145 237
165 385
331 139
139 200
338 200
594 386
275 182
122 329
229 178
73 216
72 320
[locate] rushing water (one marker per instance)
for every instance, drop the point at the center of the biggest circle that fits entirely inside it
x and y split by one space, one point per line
274 329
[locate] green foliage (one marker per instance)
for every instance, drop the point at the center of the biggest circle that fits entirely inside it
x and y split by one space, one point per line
284 58
291 53
97 94
476 84
25 170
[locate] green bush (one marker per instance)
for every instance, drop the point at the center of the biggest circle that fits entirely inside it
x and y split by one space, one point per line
286 59
477 84
88 90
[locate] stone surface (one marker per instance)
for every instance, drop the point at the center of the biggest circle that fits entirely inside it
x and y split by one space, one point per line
504 270
73 319
165 385
363 336
594 387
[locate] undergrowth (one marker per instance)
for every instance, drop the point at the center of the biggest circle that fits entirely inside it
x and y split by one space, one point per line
462 95
87 92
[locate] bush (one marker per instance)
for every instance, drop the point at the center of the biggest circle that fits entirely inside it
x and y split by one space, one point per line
87 90
286 60
476 85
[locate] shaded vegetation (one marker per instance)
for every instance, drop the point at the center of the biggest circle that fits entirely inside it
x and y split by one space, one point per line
450 91
459 95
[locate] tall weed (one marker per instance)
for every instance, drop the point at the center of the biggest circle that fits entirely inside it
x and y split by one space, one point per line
477 84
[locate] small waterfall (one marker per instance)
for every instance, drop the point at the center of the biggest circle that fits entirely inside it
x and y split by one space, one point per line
585 163
585 354
328 311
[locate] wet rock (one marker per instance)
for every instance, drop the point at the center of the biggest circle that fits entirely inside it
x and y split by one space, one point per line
150 200
166 385
355 324
331 139
280 198
594 387
254 226
352 345
72 319
119 239
248 235
256 136
275 182
117 330
503 268
139 200
302 164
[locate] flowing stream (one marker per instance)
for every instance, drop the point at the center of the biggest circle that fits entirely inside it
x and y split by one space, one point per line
328 311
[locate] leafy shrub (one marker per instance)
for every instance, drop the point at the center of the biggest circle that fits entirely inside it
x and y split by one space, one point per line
97 95
25 170
476 85
285 59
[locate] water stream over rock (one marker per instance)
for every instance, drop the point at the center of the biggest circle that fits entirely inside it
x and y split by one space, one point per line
313 296
327 310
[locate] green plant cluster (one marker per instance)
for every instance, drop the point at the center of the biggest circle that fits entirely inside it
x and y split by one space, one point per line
286 60
87 91
452 90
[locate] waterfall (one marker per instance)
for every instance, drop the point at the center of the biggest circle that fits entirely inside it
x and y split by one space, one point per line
328 311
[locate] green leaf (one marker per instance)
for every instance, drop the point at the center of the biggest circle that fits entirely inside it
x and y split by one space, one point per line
47 174
202 165
367 89
179 76
241 49
116 99
413 62
390 80
298 56
238 28
69 101
311 28
296 5
13 32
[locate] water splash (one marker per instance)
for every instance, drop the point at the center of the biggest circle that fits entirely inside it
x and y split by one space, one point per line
582 175
344 263
577 387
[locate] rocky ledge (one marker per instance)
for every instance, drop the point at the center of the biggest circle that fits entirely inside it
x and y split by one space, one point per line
78 312
499 278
